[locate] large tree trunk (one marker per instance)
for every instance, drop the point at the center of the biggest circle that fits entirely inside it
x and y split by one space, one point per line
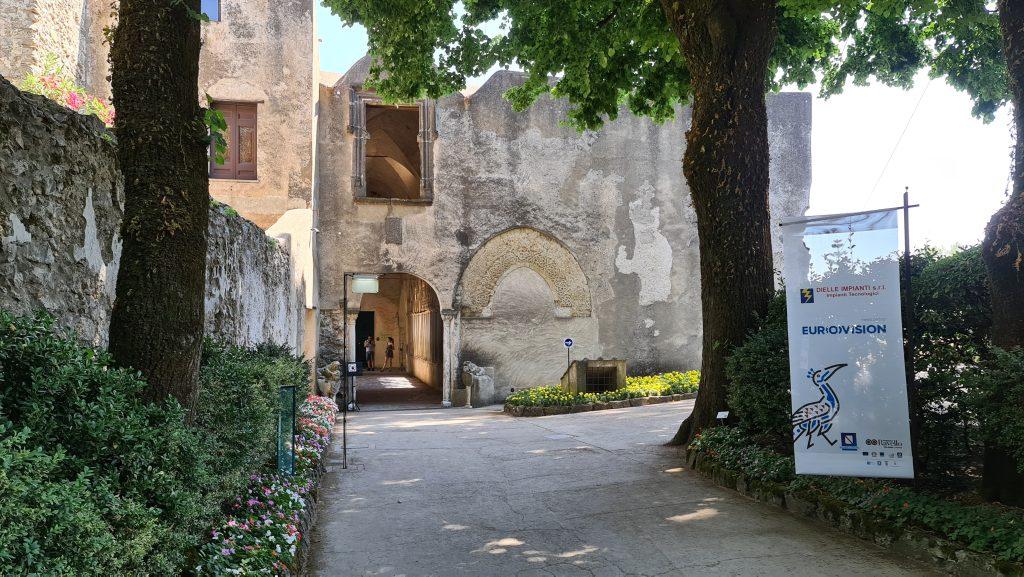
726 44
1003 252
157 322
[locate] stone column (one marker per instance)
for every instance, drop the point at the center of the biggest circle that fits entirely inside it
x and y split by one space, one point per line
350 334
450 362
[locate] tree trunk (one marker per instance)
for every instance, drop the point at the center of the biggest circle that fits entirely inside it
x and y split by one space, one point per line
1003 252
727 44
157 322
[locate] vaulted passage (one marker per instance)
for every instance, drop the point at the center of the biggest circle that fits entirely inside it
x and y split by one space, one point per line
392 152
403 316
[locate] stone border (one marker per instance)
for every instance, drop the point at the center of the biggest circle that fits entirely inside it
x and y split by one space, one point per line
542 411
910 542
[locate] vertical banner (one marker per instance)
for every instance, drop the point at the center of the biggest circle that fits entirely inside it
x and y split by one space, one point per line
850 414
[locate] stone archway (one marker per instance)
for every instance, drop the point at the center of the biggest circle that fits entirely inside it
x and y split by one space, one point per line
524 247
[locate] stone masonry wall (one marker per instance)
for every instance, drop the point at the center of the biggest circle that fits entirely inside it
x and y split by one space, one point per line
537 232
61 194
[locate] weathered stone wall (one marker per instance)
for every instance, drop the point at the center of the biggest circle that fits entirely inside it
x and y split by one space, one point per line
264 51
61 194
614 200
71 31
59 221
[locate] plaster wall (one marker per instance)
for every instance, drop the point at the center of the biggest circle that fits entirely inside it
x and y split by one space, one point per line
614 199
264 51
69 31
61 197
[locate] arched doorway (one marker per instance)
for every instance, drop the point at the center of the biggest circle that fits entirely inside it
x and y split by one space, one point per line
405 316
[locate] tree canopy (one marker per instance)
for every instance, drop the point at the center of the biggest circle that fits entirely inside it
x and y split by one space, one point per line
602 54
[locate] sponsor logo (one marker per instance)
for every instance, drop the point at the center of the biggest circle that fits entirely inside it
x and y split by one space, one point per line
807 295
885 443
848 441
843 330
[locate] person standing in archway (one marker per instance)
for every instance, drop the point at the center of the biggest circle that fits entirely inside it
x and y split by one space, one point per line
368 345
389 353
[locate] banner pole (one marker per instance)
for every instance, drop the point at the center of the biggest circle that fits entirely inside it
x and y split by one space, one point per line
908 327
345 376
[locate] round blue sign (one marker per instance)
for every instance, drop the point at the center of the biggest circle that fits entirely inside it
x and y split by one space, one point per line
568 343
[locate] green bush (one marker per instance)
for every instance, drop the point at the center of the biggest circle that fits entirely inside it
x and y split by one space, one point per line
672 383
983 528
997 398
238 406
950 336
95 481
758 373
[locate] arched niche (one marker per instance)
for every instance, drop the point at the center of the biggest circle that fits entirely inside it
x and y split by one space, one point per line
524 247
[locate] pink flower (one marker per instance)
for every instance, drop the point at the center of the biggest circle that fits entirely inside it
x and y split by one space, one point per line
74 100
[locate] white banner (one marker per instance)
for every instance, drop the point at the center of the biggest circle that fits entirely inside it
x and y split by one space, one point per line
850 414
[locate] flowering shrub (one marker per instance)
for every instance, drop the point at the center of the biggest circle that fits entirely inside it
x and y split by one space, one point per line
672 383
261 533
55 85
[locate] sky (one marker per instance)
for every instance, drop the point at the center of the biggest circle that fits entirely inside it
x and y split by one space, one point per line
955 165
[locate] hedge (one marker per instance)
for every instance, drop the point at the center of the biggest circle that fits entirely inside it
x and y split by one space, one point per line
983 528
96 481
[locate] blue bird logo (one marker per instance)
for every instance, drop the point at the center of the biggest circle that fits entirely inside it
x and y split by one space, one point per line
815 418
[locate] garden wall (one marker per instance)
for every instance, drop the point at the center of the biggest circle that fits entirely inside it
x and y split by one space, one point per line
61 197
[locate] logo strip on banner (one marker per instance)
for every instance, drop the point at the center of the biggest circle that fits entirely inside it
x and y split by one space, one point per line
847 374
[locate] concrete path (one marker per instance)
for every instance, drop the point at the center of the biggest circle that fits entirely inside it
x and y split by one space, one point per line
473 492
381 391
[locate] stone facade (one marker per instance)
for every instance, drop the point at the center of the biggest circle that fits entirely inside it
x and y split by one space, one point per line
69 31
61 197
261 52
534 232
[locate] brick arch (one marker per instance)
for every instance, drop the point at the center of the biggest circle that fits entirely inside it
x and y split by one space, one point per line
524 247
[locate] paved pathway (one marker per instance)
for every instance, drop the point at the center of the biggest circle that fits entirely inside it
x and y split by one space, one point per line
460 492
380 391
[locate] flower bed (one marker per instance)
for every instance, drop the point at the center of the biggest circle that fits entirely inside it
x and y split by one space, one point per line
638 390
969 539
263 531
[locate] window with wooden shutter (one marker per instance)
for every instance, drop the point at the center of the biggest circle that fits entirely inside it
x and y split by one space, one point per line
240 157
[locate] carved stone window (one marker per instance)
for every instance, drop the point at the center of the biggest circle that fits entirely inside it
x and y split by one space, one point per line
392 151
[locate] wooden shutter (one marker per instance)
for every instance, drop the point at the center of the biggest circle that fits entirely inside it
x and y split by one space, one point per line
240 159
245 131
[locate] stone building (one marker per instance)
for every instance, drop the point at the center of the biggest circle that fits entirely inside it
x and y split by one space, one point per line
495 235
258 65
501 233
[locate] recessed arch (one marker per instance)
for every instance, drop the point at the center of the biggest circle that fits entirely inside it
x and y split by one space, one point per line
524 247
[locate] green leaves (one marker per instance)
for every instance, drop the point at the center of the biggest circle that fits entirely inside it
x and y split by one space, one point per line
217 126
606 55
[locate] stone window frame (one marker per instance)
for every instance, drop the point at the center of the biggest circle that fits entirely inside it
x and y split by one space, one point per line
427 134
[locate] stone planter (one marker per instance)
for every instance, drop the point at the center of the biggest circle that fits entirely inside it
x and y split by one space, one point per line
533 411
556 410
520 411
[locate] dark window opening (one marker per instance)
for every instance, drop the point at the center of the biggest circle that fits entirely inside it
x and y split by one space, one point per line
601 379
212 9
240 156
392 152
